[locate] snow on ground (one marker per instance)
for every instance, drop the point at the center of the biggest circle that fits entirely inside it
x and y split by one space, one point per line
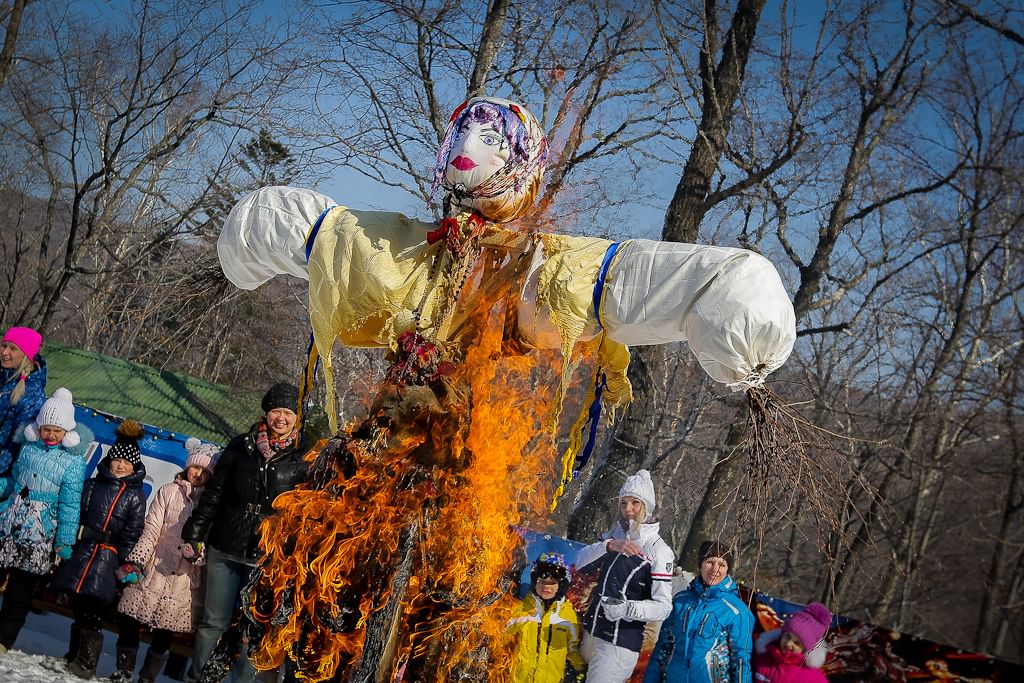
38 655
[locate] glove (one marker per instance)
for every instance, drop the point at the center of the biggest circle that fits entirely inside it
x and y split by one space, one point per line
129 572
614 611
64 552
193 551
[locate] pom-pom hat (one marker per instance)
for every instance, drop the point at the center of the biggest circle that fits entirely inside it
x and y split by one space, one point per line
57 411
641 487
281 395
809 625
201 454
26 339
126 447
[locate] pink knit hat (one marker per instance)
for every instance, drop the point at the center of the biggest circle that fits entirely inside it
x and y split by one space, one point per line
200 454
26 339
809 625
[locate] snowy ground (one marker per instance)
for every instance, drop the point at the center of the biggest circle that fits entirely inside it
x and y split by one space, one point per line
38 654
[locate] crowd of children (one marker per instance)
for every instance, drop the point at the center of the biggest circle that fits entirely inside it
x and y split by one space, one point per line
100 546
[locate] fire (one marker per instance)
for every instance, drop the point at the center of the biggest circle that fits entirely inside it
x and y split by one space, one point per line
404 564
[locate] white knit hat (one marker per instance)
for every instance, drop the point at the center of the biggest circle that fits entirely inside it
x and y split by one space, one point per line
641 487
57 411
200 454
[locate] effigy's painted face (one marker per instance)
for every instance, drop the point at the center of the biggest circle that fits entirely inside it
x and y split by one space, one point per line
480 151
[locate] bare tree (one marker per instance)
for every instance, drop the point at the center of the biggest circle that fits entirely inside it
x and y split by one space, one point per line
107 121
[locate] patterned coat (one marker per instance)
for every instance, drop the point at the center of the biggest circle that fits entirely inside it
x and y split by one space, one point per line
13 418
113 513
707 638
40 507
169 595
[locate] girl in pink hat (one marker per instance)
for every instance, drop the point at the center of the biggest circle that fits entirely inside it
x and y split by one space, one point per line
22 384
163 590
796 652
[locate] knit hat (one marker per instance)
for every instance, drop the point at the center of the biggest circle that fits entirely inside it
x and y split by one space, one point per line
641 487
809 625
200 454
126 446
57 411
26 339
715 549
281 395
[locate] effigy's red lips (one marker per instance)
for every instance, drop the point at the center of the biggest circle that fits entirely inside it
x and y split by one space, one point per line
463 163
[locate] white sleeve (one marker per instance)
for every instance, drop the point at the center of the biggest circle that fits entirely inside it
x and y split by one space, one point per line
728 304
659 606
590 554
265 234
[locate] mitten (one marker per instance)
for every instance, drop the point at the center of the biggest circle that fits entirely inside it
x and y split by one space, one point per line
129 572
193 551
614 610
64 552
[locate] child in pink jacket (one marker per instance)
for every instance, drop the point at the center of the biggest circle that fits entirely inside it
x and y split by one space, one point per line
164 590
796 652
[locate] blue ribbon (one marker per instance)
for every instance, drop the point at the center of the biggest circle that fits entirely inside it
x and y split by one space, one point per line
602 273
311 237
593 417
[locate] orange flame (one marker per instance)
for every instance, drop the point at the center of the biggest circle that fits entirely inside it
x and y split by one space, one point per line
456 478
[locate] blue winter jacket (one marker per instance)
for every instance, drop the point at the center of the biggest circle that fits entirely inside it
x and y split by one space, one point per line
13 418
706 639
113 516
53 475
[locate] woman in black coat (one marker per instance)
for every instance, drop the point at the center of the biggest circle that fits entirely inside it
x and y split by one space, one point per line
254 469
112 518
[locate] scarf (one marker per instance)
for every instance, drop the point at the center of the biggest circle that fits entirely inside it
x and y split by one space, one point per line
269 447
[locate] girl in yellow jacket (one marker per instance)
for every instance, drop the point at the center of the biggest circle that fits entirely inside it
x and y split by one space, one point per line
546 627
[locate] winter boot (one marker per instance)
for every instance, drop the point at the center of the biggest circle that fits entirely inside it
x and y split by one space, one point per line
152 666
90 644
73 641
125 665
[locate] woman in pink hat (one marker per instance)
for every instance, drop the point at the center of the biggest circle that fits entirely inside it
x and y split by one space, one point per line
22 384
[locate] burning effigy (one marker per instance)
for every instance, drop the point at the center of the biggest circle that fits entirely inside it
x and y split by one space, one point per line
393 562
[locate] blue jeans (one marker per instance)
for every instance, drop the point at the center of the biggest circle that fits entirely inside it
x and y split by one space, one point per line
225 579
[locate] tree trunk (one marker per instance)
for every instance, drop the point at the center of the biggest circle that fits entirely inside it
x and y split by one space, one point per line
649 368
689 203
10 39
488 49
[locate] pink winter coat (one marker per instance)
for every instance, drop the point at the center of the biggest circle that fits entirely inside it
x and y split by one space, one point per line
772 665
169 596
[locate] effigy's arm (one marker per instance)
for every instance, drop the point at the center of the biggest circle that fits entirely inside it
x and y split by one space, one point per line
370 280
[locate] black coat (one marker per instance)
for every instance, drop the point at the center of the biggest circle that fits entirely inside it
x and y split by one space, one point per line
113 515
241 494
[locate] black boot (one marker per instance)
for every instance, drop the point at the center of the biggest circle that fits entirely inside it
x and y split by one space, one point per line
152 666
125 665
73 640
89 646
